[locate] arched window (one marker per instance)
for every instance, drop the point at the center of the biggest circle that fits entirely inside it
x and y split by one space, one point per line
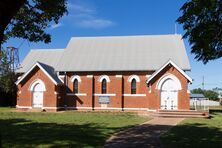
104 86
75 86
133 86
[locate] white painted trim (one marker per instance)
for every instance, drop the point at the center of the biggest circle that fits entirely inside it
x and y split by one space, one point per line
76 77
168 76
48 107
60 78
90 108
89 76
31 87
134 95
78 94
110 108
104 77
145 109
130 78
25 107
119 76
104 94
174 65
147 76
188 91
36 64
151 110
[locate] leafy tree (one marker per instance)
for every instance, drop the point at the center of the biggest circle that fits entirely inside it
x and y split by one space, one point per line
202 21
28 19
197 91
7 79
212 95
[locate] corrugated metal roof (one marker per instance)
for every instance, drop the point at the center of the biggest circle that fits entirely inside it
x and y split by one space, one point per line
48 70
47 56
197 96
51 72
123 53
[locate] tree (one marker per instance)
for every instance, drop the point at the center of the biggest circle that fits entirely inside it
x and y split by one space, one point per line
212 95
28 19
7 81
202 22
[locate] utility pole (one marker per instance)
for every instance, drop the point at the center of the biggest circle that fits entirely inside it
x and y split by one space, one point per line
203 83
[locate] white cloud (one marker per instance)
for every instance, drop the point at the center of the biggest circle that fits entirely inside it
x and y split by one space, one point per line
77 8
86 16
96 23
54 26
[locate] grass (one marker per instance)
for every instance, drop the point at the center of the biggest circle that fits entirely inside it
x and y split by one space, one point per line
195 133
64 129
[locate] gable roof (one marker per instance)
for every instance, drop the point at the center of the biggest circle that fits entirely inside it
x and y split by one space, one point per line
175 66
123 53
47 56
48 70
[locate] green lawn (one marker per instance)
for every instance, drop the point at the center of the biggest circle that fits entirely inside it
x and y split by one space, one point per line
63 129
195 133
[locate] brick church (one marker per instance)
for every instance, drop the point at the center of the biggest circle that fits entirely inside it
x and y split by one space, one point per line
109 73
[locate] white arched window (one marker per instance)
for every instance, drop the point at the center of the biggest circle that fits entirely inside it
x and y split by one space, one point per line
104 86
75 80
76 77
75 86
133 77
101 78
133 86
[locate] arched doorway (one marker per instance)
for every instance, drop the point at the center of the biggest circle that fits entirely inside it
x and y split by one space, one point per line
37 88
169 86
169 95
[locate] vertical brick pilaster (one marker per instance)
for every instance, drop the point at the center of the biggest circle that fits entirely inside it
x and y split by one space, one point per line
90 91
119 91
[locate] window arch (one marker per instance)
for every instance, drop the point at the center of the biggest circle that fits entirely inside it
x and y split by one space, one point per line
76 77
168 76
75 86
104 77
104 86
35 82
133 86
133 77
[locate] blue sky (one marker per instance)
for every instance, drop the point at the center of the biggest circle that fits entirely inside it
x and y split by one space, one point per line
123 17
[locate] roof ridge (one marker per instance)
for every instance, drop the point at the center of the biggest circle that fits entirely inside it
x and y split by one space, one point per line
117 36
48 49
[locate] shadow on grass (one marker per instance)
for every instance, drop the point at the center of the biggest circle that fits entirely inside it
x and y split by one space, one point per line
26 133
145 135
193 136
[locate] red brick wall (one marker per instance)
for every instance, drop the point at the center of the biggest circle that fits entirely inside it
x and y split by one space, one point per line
183 96
117 85
25 95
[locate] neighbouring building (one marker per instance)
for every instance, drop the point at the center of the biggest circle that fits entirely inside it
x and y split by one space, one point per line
119 73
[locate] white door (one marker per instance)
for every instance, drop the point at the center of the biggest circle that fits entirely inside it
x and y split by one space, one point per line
169 95
37 96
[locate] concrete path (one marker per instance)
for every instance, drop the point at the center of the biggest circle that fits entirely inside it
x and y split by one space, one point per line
144 135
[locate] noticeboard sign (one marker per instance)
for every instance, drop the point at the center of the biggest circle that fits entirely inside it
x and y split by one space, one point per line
103 99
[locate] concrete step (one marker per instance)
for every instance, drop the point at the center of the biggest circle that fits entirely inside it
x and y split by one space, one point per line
182 113
181 116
